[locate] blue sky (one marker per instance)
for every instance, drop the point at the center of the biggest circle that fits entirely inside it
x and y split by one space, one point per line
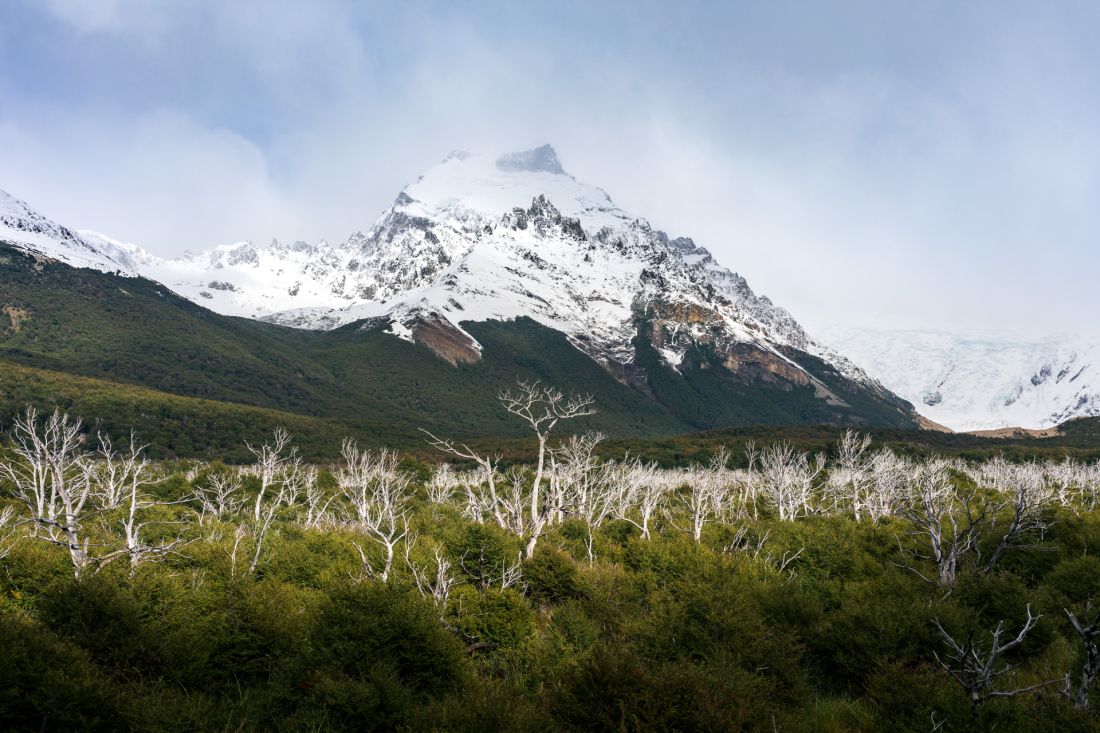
877 163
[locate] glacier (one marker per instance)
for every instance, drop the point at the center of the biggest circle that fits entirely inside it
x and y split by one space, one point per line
981 380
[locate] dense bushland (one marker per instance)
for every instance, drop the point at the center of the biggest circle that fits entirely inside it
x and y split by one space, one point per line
868 591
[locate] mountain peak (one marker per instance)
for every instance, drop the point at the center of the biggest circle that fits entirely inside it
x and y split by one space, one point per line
540 159
479 239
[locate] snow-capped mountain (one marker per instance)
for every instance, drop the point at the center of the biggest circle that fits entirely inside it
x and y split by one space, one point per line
22 225
981 381
481 238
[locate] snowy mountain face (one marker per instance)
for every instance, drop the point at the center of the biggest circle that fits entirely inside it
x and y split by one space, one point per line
981 381
23 226
486 238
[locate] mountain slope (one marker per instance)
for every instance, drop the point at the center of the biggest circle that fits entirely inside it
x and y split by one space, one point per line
173 425
982 381
83 322
475 243
476 239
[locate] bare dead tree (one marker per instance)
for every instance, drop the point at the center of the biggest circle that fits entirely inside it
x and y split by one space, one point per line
513 500
977 667
727 487
532 527
1027 495
280 472
488 467
577 472
787 477
944 517
600 502
702 498
48 477
752 458
1088 487
136 548
784 561
64 488
1088 630
114 474
441 487
641 491
542 408
1067 481
850 478
222 497
886 487
556 490
123 476
489 576
238 537
584 487
511 575
378 496
435 584
742 542
317 500
271 463
195 470
753 546
9 531
269 508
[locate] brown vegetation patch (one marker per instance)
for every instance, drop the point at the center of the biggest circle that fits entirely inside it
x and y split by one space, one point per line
926 424
18 317
1017 433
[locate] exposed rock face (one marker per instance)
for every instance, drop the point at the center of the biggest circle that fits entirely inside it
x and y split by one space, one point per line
449 343
756 364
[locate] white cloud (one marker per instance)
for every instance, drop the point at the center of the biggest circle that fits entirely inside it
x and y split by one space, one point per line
160 180
950 183
113 16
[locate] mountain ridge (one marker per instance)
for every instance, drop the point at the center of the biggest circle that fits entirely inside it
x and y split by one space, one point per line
478 239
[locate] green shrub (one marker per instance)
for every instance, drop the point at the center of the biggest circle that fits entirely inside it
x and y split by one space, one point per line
377 653
483 552
492 620
551 576
47 683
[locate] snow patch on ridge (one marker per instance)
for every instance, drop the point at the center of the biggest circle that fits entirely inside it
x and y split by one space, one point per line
672 358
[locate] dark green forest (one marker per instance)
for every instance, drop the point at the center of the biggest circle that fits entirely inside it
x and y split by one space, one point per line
775 591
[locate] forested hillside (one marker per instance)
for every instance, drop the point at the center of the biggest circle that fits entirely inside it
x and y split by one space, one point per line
130 331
